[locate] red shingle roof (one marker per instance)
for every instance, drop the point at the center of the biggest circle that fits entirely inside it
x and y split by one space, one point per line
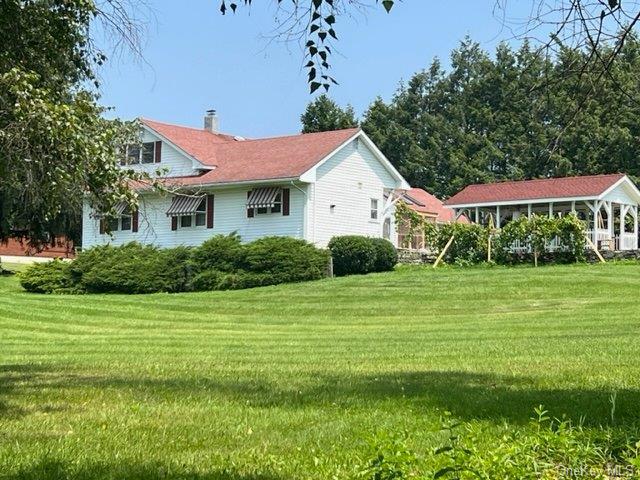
429 204
567 187
238 160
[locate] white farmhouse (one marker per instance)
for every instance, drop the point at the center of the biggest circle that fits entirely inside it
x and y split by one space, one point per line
309 186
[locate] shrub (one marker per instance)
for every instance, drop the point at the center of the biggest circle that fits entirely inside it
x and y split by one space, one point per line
285 259
132 268
207 280
469 243
49 277
241 280
352 254
386 256
224 253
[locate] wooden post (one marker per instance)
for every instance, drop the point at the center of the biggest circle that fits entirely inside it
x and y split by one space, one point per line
444 250
595 249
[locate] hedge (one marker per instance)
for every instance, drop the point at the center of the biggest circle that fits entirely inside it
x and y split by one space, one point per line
354 254
221 263
49 277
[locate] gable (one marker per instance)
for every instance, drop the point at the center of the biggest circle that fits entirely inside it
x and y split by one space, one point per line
359 149
358 161
172 159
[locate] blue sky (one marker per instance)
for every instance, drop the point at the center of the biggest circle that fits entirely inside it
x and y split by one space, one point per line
195 59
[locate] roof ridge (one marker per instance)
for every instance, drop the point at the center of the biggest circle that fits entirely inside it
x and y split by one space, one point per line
202 130
290 135
295 135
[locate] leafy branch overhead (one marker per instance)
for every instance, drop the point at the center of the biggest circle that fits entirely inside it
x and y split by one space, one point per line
313 23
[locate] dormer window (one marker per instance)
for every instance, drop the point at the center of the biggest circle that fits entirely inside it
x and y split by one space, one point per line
145 154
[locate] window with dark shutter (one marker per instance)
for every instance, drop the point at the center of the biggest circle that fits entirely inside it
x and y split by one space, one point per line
210 205
158 152
134 221
250 211
285 201
174 223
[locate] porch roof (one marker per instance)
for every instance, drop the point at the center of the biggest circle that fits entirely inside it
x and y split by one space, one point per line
536 191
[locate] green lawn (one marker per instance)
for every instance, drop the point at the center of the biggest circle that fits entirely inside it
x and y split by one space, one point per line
291 381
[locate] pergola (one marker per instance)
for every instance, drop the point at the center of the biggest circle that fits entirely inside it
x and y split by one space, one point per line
608 203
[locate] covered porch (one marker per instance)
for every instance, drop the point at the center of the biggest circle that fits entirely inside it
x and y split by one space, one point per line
608 204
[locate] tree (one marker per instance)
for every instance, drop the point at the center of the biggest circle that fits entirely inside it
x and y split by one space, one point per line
323 114
55 146
493 118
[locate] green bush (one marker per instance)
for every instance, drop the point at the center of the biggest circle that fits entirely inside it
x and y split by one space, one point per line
469 244
224 253
132 268
352 254
222 263
386 256
208 280
49 277
285 259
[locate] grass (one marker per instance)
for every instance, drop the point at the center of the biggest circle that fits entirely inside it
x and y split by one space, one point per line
291 381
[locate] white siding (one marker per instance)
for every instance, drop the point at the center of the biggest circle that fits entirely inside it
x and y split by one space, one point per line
171 159
349 180
229 216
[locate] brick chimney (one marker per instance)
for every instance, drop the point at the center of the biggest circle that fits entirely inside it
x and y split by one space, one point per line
211 122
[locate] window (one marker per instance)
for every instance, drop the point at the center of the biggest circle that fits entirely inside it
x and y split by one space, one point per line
374 209
201 214
136 154
125 222
185 221
114 223
198 219
276 208
133 155
120 223
148 152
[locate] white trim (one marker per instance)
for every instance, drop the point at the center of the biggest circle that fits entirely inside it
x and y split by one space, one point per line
626 180
524 201
310 175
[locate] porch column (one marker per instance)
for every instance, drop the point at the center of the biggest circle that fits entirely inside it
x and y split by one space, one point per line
610 225
477 214
498 216
573 207
529 210
624 209
550 209
634 211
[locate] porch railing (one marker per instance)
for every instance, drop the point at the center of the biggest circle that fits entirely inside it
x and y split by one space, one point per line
627 241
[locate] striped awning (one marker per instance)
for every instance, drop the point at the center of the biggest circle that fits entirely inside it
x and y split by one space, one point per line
263 197
118 210
184 205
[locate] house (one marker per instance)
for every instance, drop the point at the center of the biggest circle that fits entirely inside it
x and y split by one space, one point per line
608 203
431 209
309 186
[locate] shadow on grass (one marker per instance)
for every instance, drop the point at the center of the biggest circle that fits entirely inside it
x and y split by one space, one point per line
57 470
467 395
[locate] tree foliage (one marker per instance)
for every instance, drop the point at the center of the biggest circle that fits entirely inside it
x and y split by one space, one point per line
491 118
323 114
55 145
